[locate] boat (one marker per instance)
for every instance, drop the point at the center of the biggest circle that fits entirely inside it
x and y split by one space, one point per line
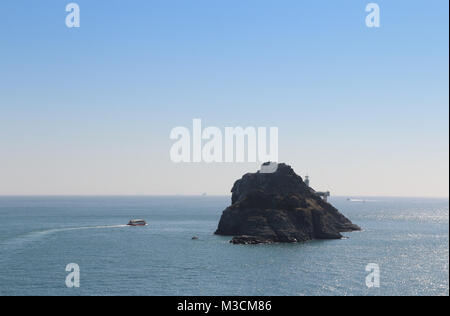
137 222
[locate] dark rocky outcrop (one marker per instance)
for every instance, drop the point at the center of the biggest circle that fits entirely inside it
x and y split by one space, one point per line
279 207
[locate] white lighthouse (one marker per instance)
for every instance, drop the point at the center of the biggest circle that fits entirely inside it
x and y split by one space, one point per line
323 195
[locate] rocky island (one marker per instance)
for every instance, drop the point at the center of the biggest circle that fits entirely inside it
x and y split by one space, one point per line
279 206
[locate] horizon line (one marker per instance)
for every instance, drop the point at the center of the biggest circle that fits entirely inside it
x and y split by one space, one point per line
201 195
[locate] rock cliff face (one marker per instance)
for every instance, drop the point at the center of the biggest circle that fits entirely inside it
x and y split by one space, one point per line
279 207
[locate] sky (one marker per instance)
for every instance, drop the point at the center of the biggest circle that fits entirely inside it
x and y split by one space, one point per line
89 110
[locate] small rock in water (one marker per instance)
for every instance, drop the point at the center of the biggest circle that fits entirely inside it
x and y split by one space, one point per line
249 240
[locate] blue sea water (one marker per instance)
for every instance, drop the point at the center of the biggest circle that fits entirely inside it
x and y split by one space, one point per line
408 238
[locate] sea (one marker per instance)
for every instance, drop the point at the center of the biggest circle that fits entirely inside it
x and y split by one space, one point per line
403 249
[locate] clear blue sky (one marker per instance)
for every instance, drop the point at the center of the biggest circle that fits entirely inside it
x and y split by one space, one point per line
89 110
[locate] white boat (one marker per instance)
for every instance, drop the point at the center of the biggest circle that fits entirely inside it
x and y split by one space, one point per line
137 222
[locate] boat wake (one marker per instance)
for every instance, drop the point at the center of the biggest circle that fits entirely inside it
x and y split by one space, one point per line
37 235
57 230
